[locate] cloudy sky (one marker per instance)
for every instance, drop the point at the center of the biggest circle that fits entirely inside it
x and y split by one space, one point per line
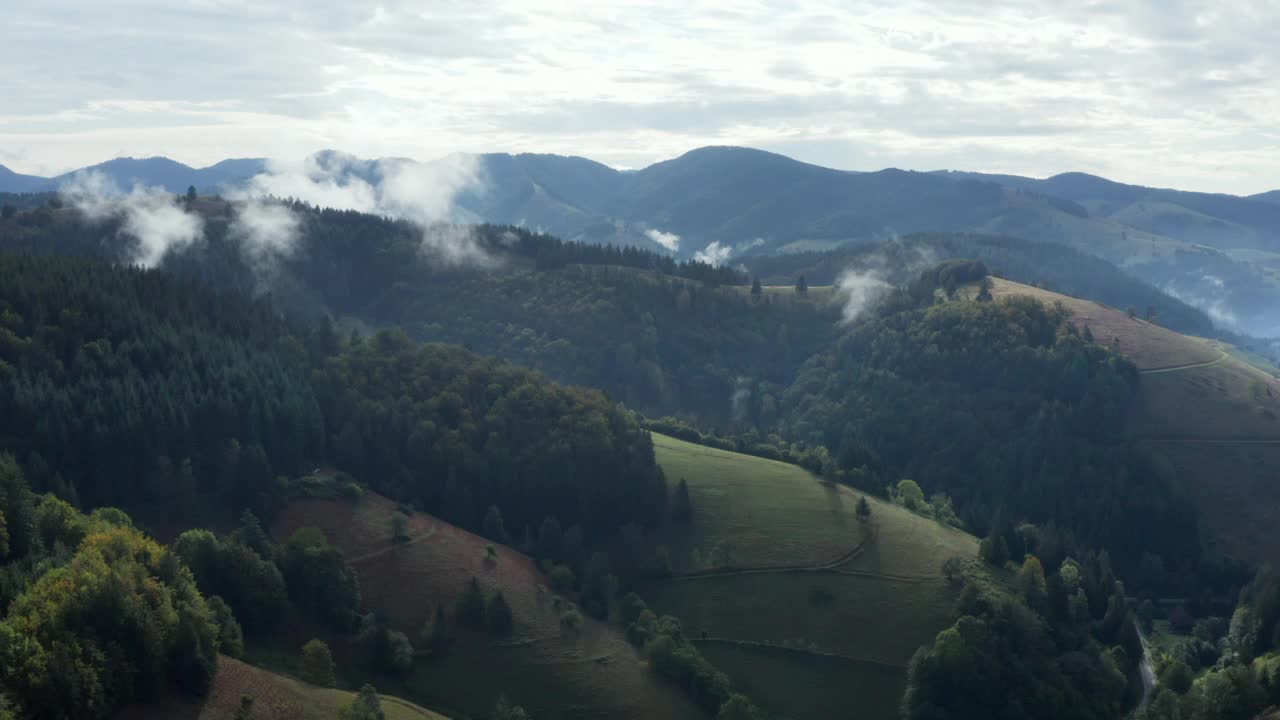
1158 92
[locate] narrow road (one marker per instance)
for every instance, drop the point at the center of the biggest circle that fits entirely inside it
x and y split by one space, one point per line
1146 670
1175 368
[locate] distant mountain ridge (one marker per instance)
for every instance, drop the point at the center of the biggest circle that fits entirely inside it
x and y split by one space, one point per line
1218 252
159 172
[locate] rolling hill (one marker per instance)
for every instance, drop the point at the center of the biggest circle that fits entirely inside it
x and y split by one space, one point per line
784 587
274 696
554 672
1213 417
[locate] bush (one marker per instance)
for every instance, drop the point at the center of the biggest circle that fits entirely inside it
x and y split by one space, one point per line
365 706
316 664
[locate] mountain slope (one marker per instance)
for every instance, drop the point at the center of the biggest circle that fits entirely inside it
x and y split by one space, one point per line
274 696
800 600
13 182
1271 197
1213 418
552 671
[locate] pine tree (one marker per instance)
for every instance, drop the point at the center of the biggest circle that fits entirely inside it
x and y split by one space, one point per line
498 615
471 610
494 528
802 285
549 536
681 507
756 289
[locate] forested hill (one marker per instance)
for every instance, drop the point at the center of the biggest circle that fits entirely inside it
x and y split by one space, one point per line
1003 407
660 335
129 387
1055 267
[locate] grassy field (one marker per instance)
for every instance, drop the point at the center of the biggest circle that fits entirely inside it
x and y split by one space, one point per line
276 697
809 686
788 586
554 673
1209 410
819 295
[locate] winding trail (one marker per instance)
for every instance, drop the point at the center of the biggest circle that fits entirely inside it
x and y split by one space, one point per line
391 548
1146 670
756 645
730 571
1189 366
832 566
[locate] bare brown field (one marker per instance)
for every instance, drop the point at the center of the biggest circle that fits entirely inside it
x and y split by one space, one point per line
1228 400
590 672
1148 345
275 697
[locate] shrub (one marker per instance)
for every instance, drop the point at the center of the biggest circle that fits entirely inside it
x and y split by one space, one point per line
316 665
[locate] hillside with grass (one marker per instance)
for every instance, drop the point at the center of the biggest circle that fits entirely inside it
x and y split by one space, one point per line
786 587
1204 410
555 661
274 696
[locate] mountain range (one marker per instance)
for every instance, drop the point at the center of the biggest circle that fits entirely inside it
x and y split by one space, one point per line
1219 252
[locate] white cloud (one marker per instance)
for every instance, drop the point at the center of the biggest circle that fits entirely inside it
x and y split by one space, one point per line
717 253
422 193
1034 87
268 229
714 253
151 216
670 241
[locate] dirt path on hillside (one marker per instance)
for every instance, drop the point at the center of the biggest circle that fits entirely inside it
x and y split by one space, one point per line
832 567
394 546
1189 366
756 645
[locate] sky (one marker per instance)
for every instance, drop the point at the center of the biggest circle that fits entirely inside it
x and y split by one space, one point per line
1155 92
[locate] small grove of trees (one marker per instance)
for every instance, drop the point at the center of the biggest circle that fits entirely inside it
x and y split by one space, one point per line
675 658
122 601
908 494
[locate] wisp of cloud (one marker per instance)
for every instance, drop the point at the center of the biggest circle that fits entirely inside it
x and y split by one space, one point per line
151 216
424 194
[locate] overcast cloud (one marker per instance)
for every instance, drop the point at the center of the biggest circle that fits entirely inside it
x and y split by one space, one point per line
1158 92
